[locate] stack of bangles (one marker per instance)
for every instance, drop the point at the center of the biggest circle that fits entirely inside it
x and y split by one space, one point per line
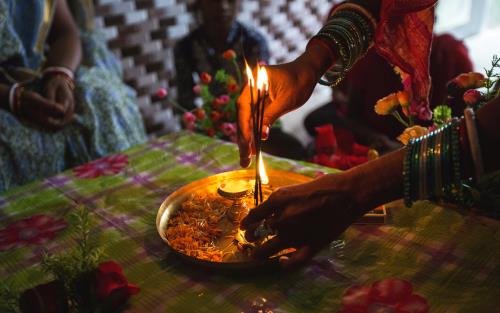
63 72
16 89
432 166
349 33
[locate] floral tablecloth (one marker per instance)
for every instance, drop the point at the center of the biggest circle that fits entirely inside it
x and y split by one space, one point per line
449 260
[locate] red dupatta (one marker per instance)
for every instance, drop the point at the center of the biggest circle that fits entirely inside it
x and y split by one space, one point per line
403 38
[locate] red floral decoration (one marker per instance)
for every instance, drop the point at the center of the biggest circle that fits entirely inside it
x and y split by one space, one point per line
111 286
229 54
109 165
161 93
388 295
34 230
206 78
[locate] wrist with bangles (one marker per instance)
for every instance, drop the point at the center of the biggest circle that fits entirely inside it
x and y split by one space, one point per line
15 93
59 71
435 164
348 34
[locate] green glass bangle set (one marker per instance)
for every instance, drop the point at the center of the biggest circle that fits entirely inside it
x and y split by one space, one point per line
351 34
432 168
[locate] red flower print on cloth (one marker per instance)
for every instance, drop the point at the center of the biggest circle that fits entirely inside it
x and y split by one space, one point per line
385 296
34 230
110 165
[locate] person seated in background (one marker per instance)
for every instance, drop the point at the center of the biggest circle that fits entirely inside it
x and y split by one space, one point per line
202 50
373 78
60 105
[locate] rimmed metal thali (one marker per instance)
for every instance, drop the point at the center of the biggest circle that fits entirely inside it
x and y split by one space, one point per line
233 259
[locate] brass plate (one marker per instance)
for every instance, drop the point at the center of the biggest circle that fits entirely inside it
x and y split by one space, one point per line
173 202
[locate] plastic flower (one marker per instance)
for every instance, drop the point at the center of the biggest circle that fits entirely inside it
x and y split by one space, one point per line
229 54
199 113
34 230
197 89
412 132
109 165
111 287
188 118
161 93
388 295
228 129
387 105
472 97
205 78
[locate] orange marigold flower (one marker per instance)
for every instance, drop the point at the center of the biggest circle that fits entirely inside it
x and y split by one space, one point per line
387 105
412 132
229 54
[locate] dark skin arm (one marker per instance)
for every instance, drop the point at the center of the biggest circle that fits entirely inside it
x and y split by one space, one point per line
54 108
309 216
65 51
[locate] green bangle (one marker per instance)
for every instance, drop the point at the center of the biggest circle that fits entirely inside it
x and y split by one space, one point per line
438 153
414 169
431 146
407 173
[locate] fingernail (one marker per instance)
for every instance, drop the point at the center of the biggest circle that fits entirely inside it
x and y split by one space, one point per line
265 132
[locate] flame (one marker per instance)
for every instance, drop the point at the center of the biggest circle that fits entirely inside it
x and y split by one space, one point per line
251 81
262 169
262 79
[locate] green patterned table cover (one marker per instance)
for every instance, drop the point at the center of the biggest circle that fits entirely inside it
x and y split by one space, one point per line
451 260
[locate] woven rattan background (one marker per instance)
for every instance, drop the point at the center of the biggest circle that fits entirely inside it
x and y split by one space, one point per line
143 32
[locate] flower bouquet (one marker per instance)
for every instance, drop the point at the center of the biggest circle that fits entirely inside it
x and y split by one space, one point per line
219 94
466 90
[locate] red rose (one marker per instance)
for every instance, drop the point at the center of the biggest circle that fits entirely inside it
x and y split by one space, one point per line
215 116
224 99
233 88
111 286
210 132
205 78
161 93
199 113
472 97
229 54
46 298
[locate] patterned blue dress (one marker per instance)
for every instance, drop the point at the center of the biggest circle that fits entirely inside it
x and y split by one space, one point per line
107 117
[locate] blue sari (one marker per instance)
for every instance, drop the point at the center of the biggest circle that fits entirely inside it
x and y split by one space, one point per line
107 117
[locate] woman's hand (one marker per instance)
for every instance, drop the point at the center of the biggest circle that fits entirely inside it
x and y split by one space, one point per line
290 86
42 111
57 88
306 216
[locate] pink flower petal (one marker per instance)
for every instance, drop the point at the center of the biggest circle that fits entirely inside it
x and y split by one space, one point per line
356 298
414 304
391 290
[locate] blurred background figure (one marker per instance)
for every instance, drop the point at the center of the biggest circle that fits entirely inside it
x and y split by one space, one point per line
202 50
62 100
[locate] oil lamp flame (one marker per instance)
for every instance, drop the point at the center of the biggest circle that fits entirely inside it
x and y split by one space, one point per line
263 175
251 81
262 79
